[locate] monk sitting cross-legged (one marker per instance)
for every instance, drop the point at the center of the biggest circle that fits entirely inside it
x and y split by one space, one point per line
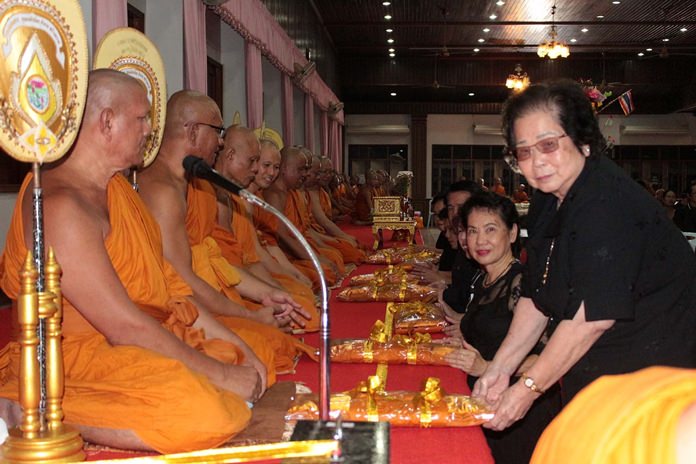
186 210
145 367
235 231
283 195
320 222
266 223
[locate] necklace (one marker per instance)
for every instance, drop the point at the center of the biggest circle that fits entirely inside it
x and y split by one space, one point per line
507 268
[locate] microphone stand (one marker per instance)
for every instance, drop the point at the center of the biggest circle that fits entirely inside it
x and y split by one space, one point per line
324 329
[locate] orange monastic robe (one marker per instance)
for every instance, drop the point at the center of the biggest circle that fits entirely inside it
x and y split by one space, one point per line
325 199
209 264
267 226
350 253
238 248
297 210
628 418
362 211
168 406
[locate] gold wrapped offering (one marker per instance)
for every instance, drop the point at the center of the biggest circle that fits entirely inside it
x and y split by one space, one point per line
411 255
417 317
389 292
401 349
369 402
390 275
398 349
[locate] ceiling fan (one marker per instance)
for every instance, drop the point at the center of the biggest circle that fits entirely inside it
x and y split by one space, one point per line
663 51
436 84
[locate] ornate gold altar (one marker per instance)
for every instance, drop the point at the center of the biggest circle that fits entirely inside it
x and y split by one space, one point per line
389 214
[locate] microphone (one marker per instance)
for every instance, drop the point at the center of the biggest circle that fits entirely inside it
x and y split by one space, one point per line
196 167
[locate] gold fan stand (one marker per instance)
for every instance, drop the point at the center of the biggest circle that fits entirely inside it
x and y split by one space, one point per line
41 438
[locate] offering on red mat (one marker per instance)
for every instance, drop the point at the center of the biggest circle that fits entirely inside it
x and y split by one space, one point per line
389 292
401 349
392 274
417 317
369 402
411 255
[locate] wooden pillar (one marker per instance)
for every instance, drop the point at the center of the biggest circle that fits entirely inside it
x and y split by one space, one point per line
419 160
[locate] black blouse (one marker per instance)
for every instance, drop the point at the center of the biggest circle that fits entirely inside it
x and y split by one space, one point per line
611 245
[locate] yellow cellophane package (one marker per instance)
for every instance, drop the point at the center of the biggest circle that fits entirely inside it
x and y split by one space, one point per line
392 274
430 407
382 348
417 317
411 255
389 292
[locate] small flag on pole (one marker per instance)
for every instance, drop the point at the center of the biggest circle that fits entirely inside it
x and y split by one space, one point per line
626 102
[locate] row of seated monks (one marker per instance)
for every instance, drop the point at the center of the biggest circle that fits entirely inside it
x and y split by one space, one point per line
179 300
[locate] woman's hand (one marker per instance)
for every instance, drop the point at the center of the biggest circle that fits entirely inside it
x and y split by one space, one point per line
426 272
514 404
468 359
491 385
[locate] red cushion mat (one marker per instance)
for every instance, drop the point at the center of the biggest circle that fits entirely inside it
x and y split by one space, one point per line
354 320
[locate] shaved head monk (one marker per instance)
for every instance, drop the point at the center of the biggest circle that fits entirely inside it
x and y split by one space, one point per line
265 222
144 367
186 211
283 196
236 235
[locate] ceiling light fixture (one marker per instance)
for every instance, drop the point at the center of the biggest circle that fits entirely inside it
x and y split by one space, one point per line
389 31
393 94
386 3
485 29
573 40
553 49
648 49
493 16
391 50
518 80
471 94
392 55
481 40
600 16
387 17
500 3
391 41
476 50
616 2
683 29
641 54
584 29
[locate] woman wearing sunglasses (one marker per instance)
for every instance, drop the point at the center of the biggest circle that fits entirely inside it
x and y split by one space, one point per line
612 278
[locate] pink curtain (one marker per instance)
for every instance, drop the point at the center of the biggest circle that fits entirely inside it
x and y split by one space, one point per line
288 111
195 48
333 144
107 15
254 85
309 122
257 25
324 133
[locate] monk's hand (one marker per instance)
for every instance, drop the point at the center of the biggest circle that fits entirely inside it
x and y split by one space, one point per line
286 307
513 405
468 359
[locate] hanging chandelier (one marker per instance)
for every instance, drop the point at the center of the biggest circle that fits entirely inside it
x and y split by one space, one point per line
553 48
518 80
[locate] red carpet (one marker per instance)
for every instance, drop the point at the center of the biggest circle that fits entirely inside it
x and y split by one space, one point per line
354 320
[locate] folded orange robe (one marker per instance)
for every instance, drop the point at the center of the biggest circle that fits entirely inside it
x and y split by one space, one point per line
209 263
267 227
168 406
231 243
628 418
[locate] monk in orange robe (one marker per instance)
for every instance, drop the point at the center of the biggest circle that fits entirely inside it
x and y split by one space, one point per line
145 368
267 224
321 223
644 417
364 198
283 196
238 161
187 217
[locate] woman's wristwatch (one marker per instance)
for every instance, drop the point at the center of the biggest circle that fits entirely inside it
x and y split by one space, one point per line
528 382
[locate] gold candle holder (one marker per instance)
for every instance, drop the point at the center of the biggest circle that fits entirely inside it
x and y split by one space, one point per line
40 438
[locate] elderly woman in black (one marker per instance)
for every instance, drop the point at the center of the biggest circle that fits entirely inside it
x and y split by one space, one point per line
608 272
488 229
